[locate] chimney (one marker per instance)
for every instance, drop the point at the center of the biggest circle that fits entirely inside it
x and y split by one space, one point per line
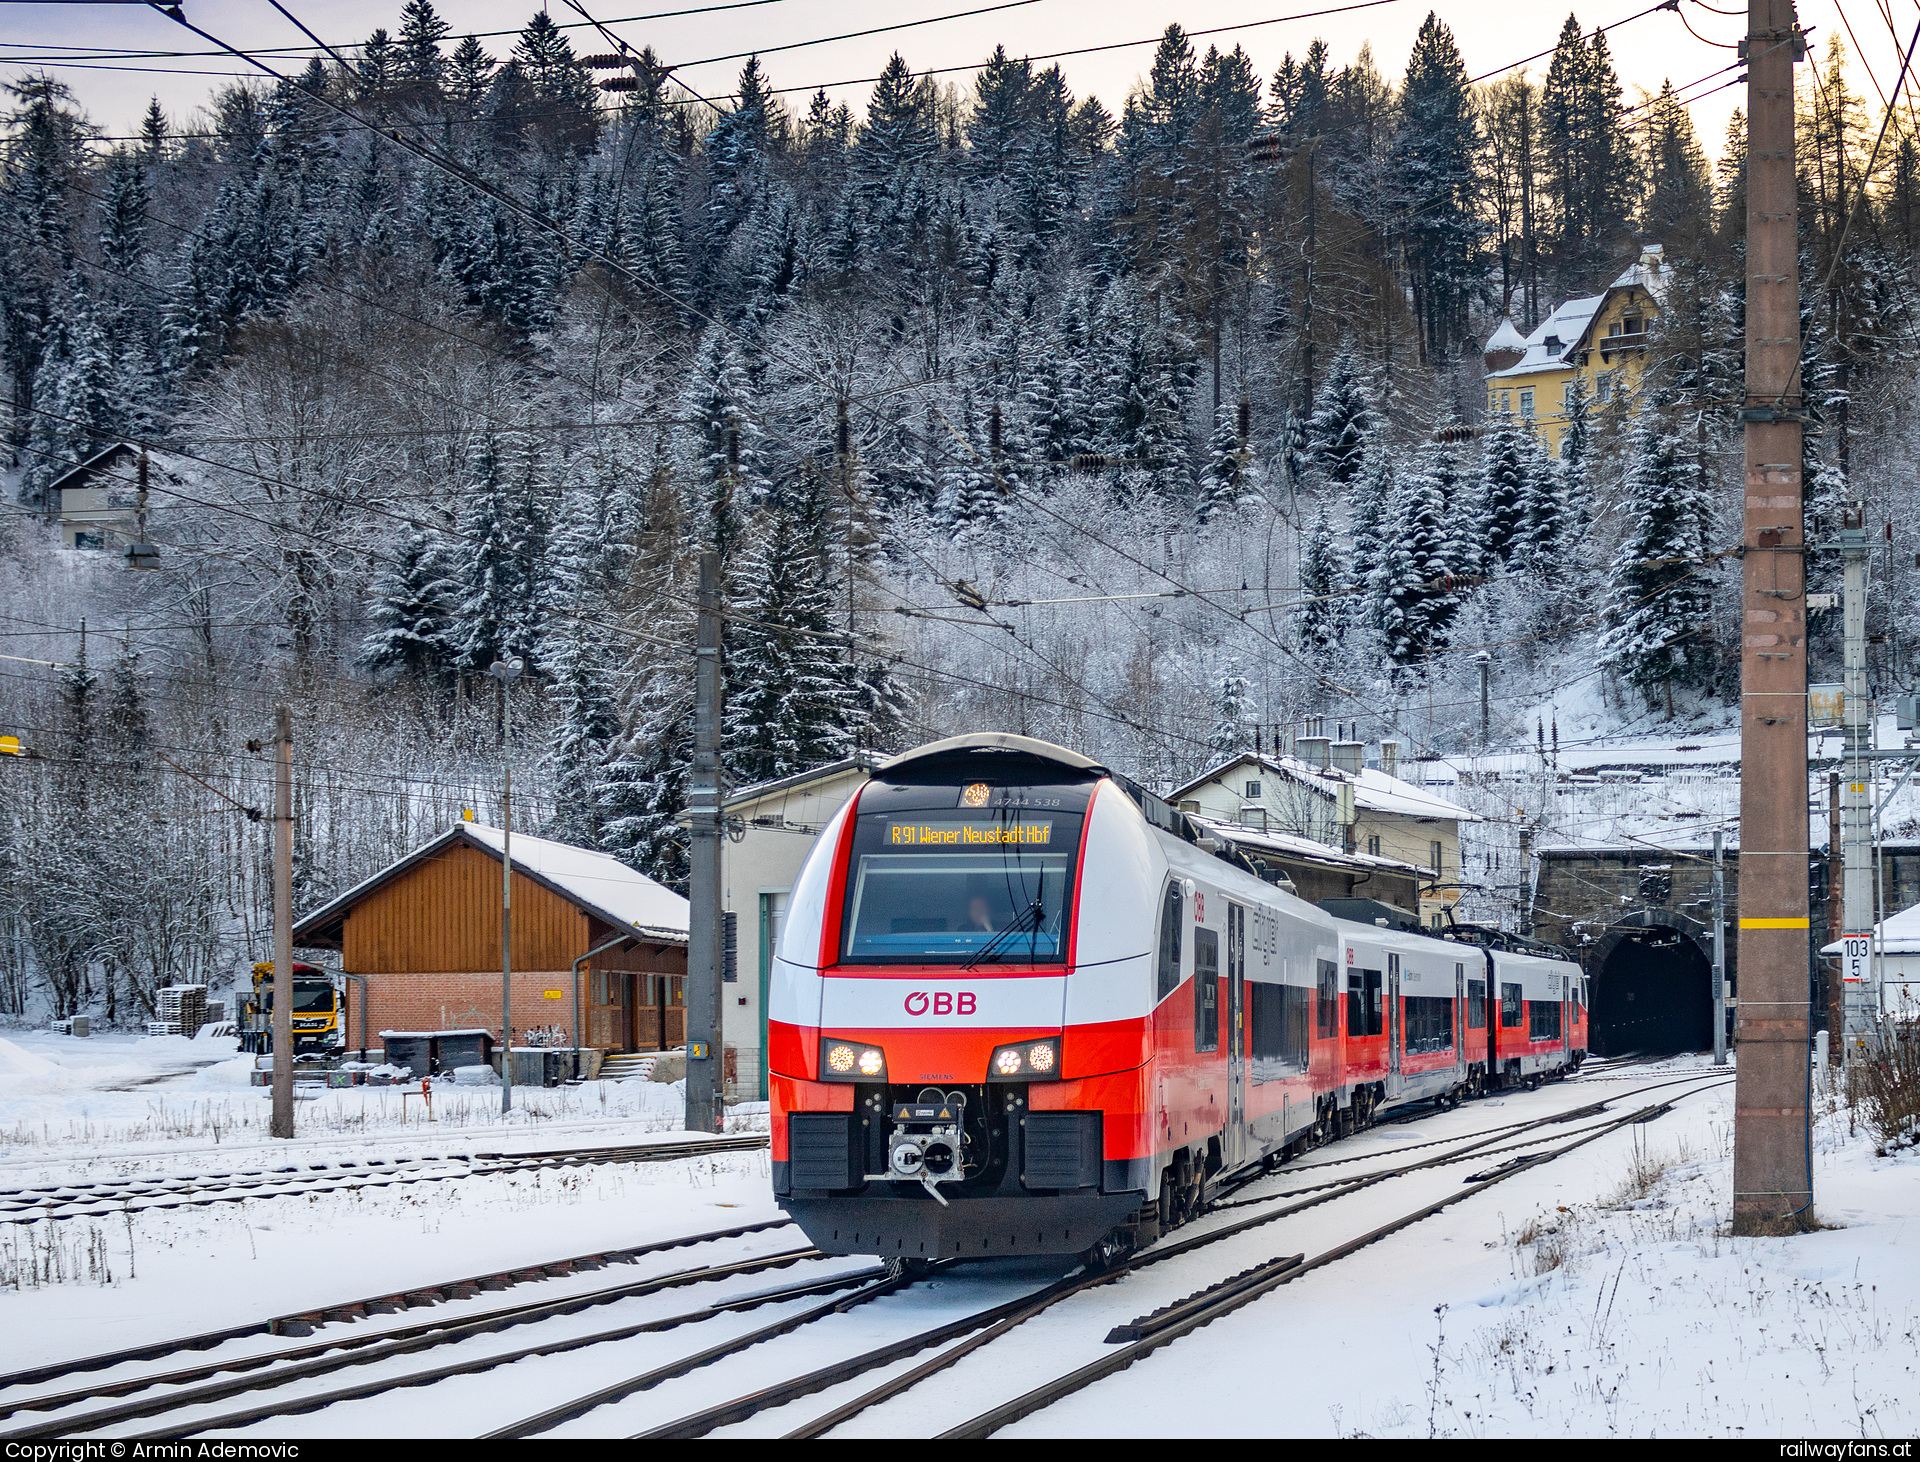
1390 758
1315 751
1347 756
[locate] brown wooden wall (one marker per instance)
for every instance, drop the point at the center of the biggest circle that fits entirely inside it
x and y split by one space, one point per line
444 914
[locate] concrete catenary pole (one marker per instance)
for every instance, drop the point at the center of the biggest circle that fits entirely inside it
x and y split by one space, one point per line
1719 948
506 672
706 1107
1772 1172
1859 1000
282 1125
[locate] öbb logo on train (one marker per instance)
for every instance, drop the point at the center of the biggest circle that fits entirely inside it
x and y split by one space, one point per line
942 1002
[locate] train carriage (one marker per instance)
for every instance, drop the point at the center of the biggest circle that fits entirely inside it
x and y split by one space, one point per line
1020 1005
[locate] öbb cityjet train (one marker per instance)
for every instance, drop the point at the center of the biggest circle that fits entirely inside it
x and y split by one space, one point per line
1020 1006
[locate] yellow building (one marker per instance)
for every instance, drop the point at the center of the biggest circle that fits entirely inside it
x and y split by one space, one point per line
1600 341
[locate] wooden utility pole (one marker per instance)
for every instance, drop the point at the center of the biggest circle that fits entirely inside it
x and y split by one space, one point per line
1772 1167
282 921
706 933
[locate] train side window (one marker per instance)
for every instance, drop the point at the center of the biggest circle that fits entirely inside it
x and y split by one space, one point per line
1512 1007
1429 1023
1543 1020
1327 1007
1278 1018
1375 1003
1356 1010
1476 1005
1172 917
1206 990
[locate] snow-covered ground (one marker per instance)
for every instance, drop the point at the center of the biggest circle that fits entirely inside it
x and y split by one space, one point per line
1598 1295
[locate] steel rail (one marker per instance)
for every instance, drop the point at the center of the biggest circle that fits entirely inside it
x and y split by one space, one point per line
32 1205
1186 1316
995 1322
329 1356
302 1323
647 1380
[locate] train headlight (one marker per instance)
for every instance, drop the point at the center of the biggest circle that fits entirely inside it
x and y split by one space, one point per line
1028 1061
852 1061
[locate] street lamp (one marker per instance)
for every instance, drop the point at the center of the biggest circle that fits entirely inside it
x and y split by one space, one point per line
506 672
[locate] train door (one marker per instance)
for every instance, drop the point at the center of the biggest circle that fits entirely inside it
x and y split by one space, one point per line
1460 1056
1566 1016
1395 1033
1236 1035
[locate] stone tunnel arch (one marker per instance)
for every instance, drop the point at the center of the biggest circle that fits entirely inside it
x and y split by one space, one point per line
1651 985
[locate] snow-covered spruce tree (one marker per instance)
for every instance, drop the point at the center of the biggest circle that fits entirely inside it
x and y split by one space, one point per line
408 605
1220 484
724 444
1551 516
643 784
1414 604
78 406
1658 598
1322 616
587 724
1371 506
489 596
1436 154
1233 708
789 704
1344 420
1505 487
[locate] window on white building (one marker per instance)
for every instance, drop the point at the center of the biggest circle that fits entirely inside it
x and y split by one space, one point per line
1253 789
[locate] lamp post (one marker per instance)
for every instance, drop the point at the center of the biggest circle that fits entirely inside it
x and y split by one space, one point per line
506 672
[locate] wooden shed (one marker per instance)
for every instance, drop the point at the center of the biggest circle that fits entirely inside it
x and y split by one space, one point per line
424 934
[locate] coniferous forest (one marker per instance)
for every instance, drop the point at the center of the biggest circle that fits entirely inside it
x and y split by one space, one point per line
1149 425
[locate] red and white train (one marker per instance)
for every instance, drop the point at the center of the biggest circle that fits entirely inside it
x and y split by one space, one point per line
1022 1006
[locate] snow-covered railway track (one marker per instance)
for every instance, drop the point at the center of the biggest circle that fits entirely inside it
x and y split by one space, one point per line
174 1389
115 1196
1148 1333
1166 1323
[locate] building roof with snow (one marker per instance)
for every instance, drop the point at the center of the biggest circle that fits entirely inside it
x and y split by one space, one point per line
1896 934
596 883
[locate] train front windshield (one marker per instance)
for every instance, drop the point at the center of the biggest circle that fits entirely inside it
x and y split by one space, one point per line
973 873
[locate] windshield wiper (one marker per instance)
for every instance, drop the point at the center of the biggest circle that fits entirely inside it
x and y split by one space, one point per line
1032 910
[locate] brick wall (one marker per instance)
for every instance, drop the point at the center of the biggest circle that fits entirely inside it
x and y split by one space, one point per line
464 1001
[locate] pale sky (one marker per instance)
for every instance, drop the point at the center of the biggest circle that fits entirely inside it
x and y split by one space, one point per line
1491 35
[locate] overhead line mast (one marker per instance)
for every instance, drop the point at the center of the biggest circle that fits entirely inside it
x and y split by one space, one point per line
1772 1162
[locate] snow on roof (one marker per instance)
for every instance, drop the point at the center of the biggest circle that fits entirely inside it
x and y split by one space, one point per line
753 791
1301 847
1373 789
1505 337
598 882
1899 934
1567 325
1376 790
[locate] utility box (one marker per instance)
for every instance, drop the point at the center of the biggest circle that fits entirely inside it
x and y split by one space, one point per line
428 1053
1906 712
